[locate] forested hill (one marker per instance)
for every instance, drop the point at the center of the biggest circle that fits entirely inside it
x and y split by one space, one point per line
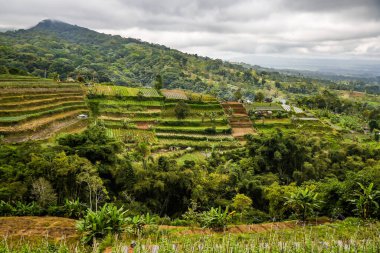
56 48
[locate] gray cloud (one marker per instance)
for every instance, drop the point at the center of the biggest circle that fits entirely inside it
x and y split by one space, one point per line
221 28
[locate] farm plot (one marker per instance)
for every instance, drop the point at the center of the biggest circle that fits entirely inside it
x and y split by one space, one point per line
199 137
297 110
38 109
199 144
122 91
200 97
132 135
175 94
286 108
199 130
257 106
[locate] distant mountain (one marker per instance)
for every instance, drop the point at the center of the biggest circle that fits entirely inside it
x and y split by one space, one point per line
54 48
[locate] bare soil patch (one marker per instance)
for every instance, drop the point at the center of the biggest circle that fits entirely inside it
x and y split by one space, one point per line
30 227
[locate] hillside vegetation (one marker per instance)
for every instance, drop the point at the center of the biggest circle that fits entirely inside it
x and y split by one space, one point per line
125 136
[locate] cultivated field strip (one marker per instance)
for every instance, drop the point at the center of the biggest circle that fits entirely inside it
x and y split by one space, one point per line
37 110
37 124
13 120
15 91
25 98
40 108
128 111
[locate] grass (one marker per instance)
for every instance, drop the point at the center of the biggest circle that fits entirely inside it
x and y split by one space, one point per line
122 91
186 129
198 157
198 144
132 135
129 102
350 235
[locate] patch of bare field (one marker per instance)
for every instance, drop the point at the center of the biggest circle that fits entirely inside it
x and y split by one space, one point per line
30 227
239 132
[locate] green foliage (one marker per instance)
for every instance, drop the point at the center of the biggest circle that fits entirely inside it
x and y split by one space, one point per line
303 202
216 218
96 225
158 83
241 202
365 201
181 110
74 209
259 96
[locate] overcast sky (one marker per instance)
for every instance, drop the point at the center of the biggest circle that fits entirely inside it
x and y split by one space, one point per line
247 30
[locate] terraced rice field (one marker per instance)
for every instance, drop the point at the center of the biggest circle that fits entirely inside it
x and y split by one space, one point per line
33 109
112 90
130 118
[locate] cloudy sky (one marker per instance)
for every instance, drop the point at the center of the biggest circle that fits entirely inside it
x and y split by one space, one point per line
266 32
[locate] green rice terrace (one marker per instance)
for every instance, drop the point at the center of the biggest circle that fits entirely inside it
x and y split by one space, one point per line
134 115
33 108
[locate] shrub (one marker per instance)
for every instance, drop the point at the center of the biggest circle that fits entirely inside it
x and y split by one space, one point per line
74 209
108 220
181 110
210 130
6 209
216 218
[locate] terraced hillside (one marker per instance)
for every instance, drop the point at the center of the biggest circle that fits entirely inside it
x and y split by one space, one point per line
144 115
238 119
33 109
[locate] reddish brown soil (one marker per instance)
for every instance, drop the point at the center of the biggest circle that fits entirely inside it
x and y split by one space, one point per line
30 227
239 120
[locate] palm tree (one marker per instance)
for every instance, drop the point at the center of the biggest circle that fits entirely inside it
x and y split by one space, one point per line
303 202
365 200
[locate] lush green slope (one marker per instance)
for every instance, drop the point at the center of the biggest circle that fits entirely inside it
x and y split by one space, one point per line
67 50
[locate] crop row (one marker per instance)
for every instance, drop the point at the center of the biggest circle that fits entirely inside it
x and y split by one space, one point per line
199 130
122 91
37 109
26 97
174 94
128 102
194 137
198 106
131 135
33 103
39 123
128 114
195 123
201 97
5 92
7 121
199 144
46 84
